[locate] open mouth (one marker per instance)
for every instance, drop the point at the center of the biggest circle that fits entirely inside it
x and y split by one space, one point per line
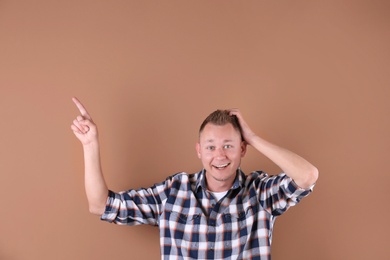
222 166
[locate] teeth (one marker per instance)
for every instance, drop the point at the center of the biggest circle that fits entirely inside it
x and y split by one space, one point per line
221 166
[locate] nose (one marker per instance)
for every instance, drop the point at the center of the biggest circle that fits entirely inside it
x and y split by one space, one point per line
220 153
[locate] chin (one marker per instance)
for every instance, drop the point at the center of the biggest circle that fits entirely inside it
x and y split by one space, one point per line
222 177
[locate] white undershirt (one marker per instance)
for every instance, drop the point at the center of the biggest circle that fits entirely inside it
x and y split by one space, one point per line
219 195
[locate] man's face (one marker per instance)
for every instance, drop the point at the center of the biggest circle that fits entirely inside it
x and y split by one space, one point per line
220 149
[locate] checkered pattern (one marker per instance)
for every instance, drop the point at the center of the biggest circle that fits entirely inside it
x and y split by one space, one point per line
193 225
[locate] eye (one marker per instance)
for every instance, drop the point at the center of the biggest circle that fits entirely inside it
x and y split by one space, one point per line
227 146
211 148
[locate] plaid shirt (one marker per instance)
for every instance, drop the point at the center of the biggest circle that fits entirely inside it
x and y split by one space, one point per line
194 225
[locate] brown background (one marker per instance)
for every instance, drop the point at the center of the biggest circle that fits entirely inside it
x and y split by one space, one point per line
312 76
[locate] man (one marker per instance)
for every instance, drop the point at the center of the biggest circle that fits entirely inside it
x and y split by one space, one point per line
217 213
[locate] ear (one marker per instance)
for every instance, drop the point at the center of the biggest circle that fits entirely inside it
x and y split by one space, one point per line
197 147
243 148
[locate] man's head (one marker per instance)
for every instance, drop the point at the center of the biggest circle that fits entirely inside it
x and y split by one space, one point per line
221 117
220 149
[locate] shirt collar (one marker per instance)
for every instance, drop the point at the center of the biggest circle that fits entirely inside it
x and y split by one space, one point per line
238 181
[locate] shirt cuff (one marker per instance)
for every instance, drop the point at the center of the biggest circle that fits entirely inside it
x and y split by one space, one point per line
112 207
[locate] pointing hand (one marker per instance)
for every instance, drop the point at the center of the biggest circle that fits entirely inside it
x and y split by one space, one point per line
83 126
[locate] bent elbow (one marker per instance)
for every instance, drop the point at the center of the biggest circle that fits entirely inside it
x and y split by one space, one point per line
96 210
307 179
315 174
312 176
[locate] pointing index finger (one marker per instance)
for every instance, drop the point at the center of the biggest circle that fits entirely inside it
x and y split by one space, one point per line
81 108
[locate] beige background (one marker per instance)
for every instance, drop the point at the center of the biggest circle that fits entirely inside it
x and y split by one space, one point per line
312 76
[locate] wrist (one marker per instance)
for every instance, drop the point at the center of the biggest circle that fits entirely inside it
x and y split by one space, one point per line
93 145
251 138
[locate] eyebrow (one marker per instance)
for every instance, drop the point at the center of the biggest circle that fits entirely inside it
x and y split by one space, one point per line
224 141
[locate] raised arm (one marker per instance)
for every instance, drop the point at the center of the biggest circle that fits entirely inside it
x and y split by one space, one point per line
300 170
95 186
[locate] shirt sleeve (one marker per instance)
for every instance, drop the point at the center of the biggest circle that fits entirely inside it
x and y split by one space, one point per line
135 207
279 193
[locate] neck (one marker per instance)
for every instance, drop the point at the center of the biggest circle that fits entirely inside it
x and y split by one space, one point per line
215 185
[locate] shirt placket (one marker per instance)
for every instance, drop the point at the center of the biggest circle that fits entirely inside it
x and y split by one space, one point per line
214 209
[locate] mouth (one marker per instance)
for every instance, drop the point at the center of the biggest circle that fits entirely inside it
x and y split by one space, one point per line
221 166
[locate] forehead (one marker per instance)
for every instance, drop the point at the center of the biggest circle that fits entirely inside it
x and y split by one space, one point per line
212 132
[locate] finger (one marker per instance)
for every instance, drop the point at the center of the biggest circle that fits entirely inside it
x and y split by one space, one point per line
81 125
81 108
233 111
77 126
75 129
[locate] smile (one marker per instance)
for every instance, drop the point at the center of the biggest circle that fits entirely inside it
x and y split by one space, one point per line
222 166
